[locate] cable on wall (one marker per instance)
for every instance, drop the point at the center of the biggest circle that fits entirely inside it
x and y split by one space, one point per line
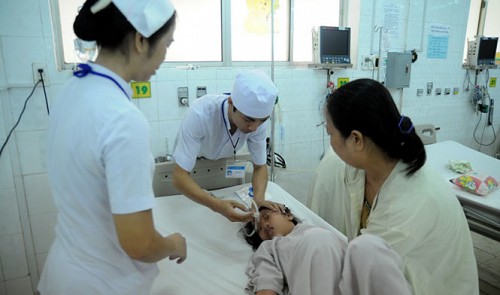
19 118
40 71
483 104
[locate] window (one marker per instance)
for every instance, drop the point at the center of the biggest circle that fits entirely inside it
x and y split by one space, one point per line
223 31
251 26
198 33
491 26
307 15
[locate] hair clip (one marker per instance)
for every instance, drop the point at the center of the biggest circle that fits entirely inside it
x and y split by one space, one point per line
399 126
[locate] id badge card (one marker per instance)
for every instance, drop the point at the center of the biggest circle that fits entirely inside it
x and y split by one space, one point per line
235 171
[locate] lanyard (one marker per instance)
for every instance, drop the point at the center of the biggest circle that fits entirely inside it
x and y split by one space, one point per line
86 69
227 130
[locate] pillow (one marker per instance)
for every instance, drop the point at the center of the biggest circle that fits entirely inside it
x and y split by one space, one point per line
476 183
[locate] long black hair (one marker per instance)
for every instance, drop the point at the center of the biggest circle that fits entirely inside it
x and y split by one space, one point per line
109 27
367 106
254 240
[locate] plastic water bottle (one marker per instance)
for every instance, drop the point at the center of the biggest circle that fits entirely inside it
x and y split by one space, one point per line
246 195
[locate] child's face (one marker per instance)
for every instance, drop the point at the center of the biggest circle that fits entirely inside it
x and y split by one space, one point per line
273 224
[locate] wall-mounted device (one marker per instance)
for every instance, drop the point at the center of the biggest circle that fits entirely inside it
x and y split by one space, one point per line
200 91
482 51
332 45
398 69
183 96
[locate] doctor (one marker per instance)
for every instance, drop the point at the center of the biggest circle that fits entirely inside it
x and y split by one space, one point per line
99 162
217 126
383 187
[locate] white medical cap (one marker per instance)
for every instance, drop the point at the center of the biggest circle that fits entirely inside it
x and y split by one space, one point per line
146 16
254 94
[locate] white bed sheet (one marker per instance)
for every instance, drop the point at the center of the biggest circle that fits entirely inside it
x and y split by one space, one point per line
439 155
217 255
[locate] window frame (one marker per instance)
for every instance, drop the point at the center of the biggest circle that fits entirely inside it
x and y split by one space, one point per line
225 36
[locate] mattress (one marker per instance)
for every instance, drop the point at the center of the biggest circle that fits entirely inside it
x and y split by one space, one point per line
217 254
482 212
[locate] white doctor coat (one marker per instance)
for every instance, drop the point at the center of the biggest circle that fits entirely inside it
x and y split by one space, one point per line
205 133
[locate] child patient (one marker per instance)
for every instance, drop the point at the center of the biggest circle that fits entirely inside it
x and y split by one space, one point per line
292 257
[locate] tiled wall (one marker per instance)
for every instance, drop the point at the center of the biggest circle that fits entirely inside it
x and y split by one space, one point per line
27 213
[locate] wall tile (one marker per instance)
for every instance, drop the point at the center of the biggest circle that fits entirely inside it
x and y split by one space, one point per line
6 178
171 74
19 56
35 115
168 132
149 106
38 194
20 286
155 140
210 84
32 147
302 126
43 231
204 74
20 18
3 75
225 74
168 105
9 213
13 257
3 97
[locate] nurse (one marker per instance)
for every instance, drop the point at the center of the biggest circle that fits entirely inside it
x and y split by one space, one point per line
383 187
217 126
99 162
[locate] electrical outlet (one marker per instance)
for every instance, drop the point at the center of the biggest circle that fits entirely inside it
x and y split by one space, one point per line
429 88
200 91
36 74
368 62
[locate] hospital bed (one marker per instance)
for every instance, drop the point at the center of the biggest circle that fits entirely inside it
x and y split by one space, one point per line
217 254
482 212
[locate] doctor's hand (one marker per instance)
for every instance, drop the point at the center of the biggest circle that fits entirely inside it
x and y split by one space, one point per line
277 207
227 208
179 247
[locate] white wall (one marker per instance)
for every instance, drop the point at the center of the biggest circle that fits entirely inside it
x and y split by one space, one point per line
27 213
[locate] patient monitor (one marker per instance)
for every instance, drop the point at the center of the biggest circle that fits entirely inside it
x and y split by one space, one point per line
481 51
332 45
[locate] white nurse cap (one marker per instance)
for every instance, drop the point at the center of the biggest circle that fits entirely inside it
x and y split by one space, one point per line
254 94
146 16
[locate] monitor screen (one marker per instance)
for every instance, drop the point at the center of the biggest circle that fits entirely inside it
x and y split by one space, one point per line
487 48
335 44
